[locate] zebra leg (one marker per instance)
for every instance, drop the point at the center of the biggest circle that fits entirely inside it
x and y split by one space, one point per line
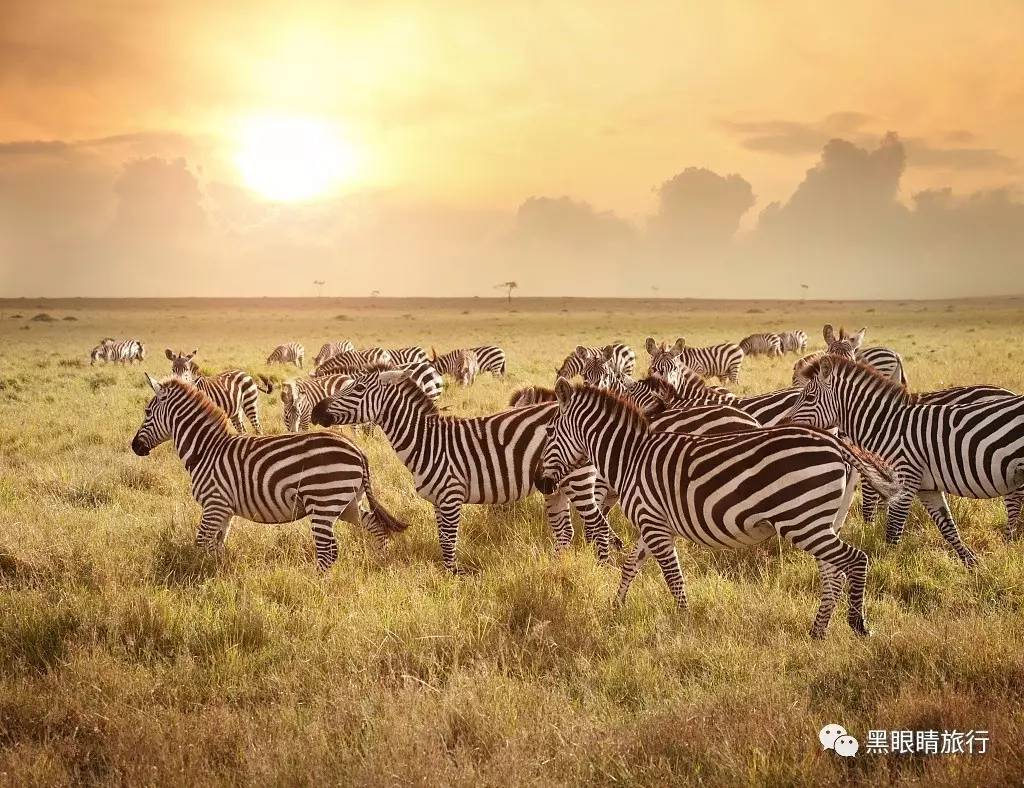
448 513
868 502
938 507
629 570
556 508
324 541
832 581
661 544
899 510
213 527
1014 506
606 498
236 422
580 486
844 559
252 413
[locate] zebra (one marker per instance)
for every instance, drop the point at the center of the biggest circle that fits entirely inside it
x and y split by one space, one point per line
531 395
408 355
351 361
761 345
621 357
974 451
288 353
125 351
266 479
454 461
795 341
467 367
233 391
719 361
300 395
490 357
330 349
731 491
848 346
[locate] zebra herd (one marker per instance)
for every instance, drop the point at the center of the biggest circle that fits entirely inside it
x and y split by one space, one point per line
679 455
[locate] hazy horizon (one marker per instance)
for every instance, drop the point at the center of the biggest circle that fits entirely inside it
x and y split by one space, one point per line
664 150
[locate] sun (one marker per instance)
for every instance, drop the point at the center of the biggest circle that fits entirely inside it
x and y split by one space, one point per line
293 159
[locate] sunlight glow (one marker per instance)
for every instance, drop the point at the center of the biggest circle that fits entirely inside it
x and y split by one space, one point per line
293 159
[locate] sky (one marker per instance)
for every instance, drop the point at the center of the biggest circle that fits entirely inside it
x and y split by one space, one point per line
438 148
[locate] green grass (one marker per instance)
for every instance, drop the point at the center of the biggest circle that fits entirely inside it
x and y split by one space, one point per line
129 657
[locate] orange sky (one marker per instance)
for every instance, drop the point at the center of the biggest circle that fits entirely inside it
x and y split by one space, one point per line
475 107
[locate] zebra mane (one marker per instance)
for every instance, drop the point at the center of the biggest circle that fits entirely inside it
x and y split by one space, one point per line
615 402
537 394
859 369
410 389
207 409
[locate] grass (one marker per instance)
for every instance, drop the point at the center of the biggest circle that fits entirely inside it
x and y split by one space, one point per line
129 657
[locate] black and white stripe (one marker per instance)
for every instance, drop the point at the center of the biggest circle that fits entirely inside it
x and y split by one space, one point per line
233 391
408 355
761 345
845 345
729 491
113 351
331 349
720 361
974 451
266 479
288 353
490 358
300 395
351 362
622 358
793 341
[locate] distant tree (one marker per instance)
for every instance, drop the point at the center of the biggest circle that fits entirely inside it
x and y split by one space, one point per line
374 293
510 286
319 285
803 294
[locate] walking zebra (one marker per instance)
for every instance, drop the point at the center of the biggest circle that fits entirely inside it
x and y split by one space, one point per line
288 353
761 345
455 461
300 395
266 479
720 361
408 355
974 451
843 345
621 357
350 362
331 349
490 358
793 341
728 491
233 391
125 351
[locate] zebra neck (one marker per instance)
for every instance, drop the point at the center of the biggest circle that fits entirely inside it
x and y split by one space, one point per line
196 437
866 417
613 450
405 427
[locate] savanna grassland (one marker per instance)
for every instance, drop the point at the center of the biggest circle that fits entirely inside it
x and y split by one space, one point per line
127 657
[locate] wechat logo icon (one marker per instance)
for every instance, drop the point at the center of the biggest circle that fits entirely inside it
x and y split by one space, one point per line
834 737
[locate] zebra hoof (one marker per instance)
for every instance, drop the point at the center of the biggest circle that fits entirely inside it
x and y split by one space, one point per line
817 634
859 626
970 559
615 543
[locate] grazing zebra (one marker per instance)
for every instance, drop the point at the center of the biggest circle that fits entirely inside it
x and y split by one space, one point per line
720 361
331 349
288 353
843 345
233 391
266 479
125 351
408 355
352 361
761 345
793 341
621 357
974 451
300 395
490 358
455 461
731 491
531 395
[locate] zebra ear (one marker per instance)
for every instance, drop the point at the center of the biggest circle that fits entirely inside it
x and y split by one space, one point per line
828 333
563 391
193 354
581 351
677 348
433 353
651 345
169 353
153 383
857 338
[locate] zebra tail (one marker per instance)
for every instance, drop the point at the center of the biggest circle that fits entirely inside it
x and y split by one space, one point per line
266 382
878 473
387 521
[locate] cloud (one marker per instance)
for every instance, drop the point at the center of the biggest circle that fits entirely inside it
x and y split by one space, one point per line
699 208
921 154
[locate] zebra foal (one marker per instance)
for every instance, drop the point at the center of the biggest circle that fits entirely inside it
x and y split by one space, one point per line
288 353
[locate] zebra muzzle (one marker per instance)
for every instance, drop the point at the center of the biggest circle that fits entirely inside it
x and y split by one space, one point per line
545 485
139 447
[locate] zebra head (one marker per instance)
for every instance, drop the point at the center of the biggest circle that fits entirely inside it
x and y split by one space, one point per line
565 448
818 404
363 401
182 365
842 344
293 400
156 424
573 364
665 361
599 373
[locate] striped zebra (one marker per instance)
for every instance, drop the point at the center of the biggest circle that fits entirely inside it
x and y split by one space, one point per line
793 341
288 353
490 357
408 355
621 357
331 349
454 461
233 391
844 345
125 351
300 395
467 367
719 361
973 451
266 479
730 491
353 361
761 345
531 395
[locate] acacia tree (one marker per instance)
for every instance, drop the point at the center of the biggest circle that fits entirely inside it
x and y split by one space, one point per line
510 286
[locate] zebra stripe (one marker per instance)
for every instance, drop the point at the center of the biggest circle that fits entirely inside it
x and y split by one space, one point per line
454 461
300 395
845 345
621 357
352 361
125 351
720 361
288 353
331 349
266 479
490 358
233 391
408 355
727 491
761 345
793 341
974 451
